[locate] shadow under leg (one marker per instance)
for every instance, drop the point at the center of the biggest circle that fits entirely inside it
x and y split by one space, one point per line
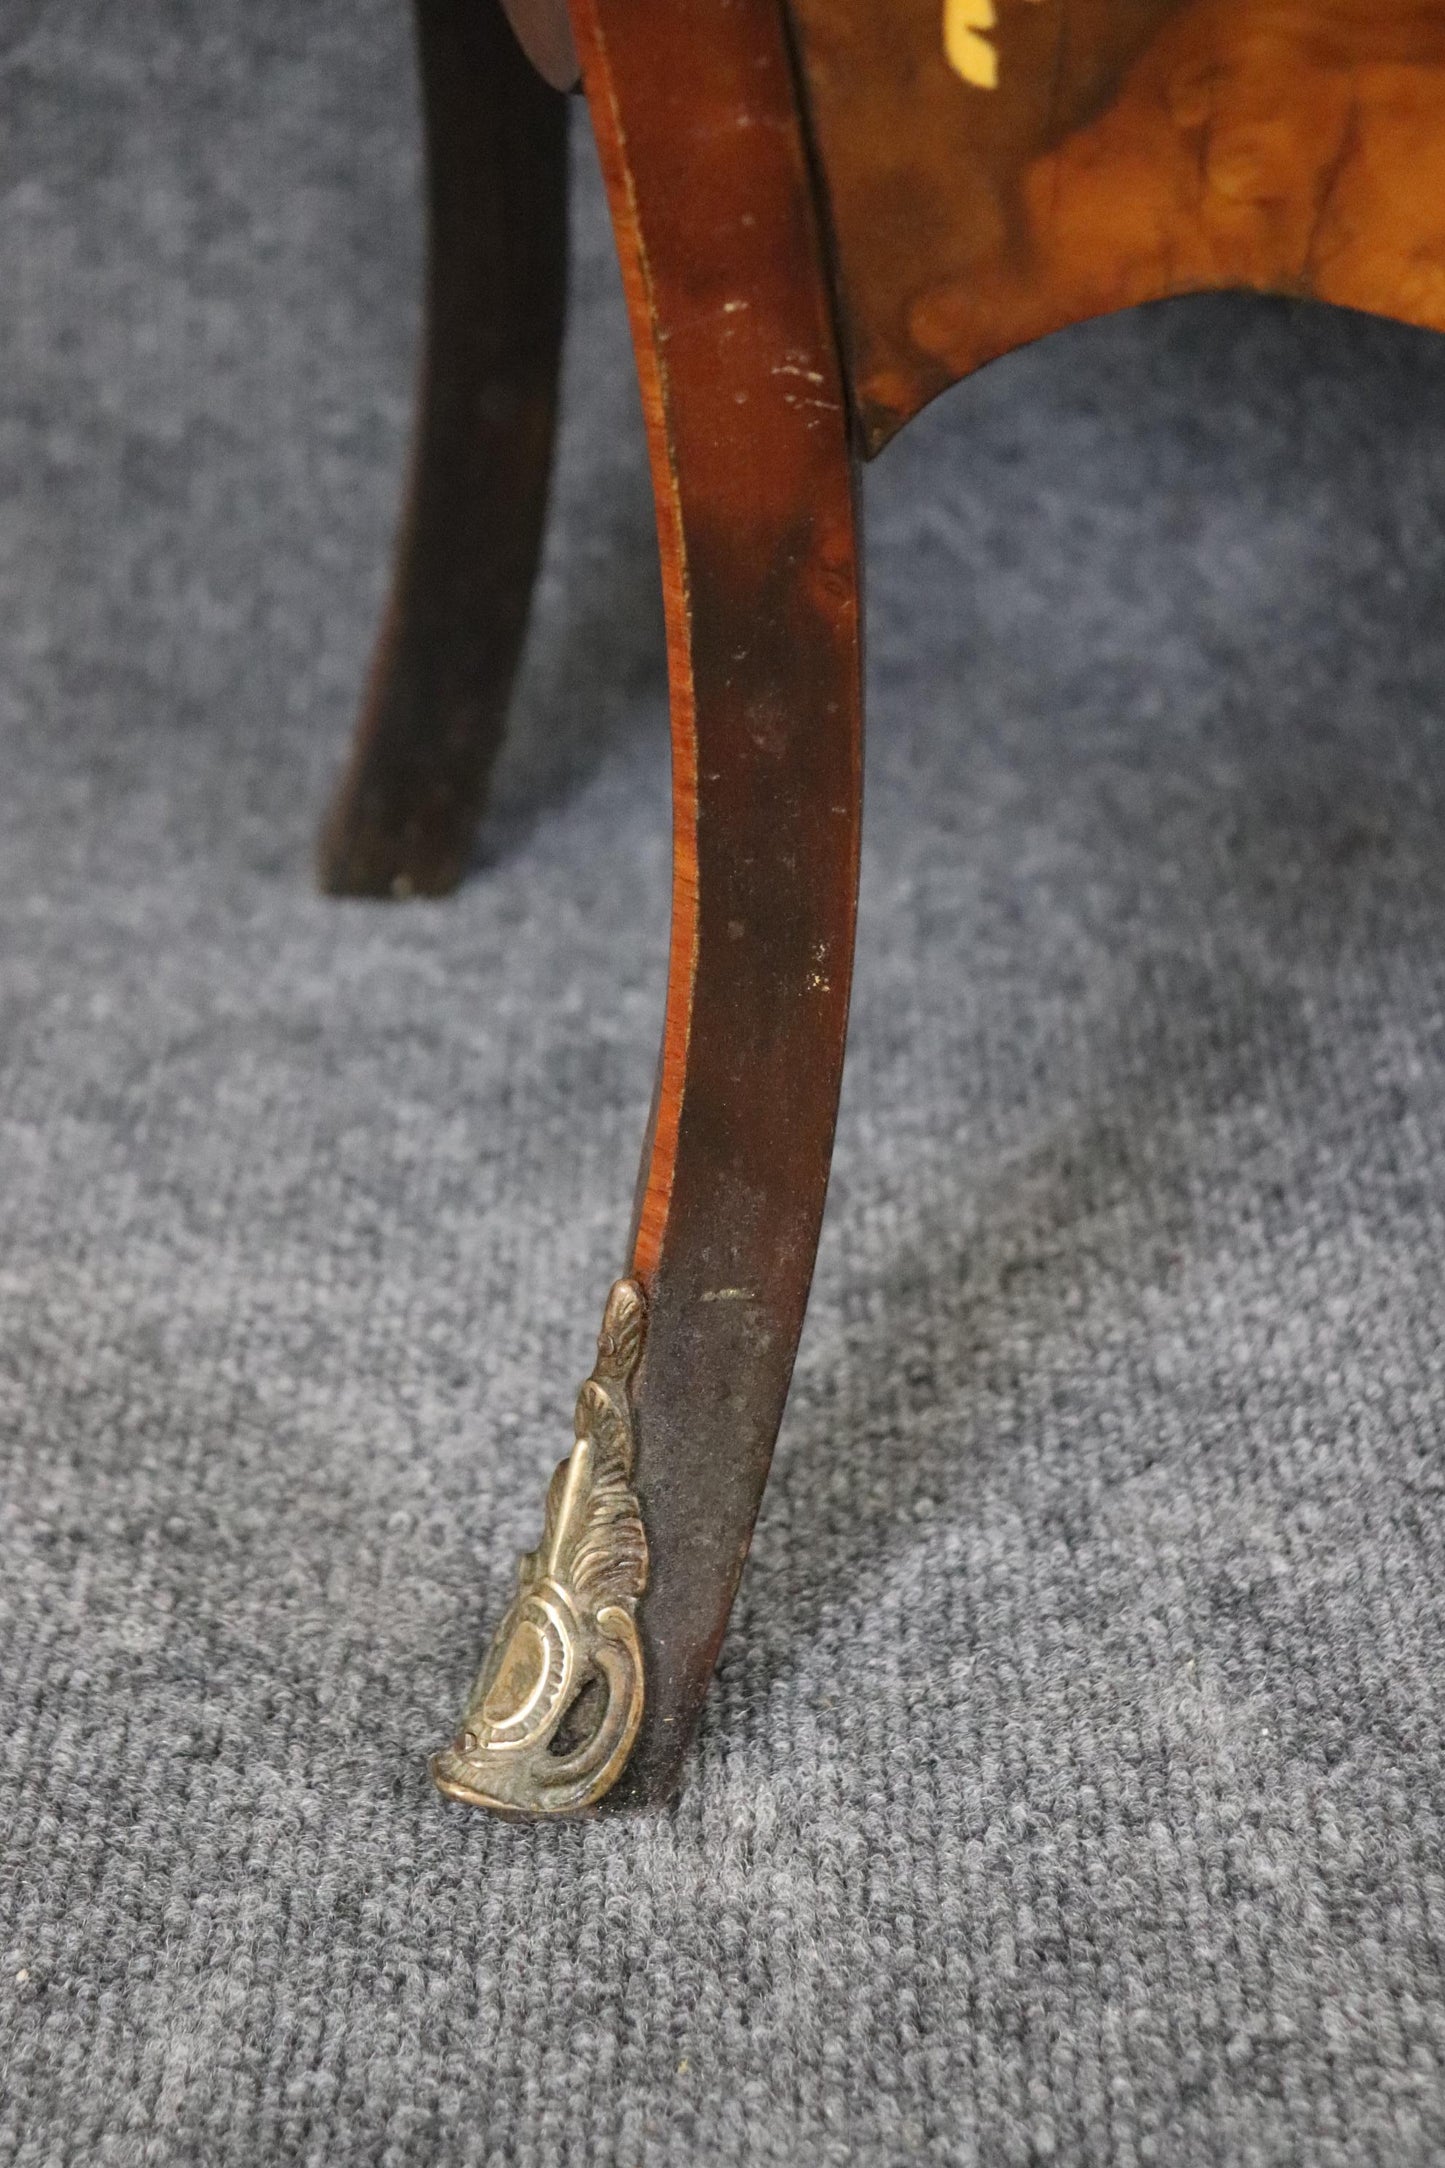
404 818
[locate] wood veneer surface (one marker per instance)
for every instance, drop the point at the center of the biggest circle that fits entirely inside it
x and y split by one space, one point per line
1128 150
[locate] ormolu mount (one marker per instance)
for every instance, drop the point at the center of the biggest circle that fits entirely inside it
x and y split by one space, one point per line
555 1711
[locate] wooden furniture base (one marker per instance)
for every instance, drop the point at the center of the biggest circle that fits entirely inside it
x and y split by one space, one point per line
826 211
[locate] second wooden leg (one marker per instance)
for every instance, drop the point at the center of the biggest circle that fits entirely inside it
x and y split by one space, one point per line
406 812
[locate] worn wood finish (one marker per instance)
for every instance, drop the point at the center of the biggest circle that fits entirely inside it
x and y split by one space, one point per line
1128 150
696 116
405 816
989 170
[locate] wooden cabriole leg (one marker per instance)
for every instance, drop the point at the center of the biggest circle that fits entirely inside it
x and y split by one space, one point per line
597 1676
405 815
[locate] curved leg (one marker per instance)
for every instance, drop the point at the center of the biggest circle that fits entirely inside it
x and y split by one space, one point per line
406 812
697 120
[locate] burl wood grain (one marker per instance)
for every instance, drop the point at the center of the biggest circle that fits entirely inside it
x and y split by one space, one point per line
1128 150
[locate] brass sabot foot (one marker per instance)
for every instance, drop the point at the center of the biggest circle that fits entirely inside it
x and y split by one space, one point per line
555 1710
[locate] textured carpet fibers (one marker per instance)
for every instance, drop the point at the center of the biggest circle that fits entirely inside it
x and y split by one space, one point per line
1072 1785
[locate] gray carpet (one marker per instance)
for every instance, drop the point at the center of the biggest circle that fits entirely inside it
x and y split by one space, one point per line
1072 1786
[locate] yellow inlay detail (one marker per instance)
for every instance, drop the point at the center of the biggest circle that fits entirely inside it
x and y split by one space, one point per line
970 53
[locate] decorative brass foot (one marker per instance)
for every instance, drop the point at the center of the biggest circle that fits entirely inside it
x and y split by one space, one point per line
555 1710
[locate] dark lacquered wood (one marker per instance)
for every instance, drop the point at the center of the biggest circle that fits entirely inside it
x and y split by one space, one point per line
544 32
696 117
405 816
1127 150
